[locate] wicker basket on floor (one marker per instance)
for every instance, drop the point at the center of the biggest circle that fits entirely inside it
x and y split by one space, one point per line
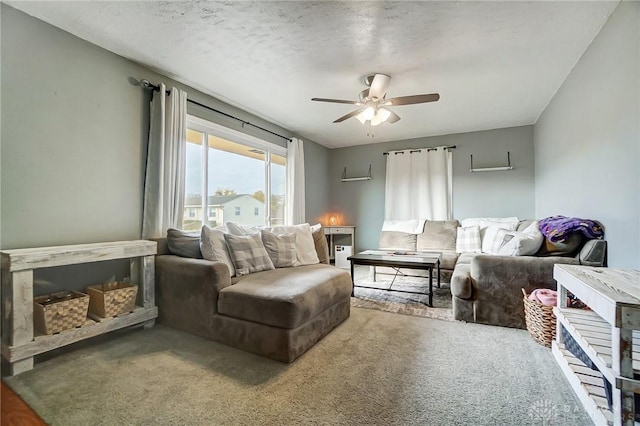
540 319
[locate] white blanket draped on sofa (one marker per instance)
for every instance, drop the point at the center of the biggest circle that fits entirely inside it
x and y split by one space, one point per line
419 184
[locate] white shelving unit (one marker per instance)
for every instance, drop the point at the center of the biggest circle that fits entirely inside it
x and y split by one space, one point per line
19 344
607 334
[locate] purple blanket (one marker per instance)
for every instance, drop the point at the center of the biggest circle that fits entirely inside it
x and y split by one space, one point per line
558 228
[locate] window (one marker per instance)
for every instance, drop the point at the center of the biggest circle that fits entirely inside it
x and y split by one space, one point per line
191 212
232 167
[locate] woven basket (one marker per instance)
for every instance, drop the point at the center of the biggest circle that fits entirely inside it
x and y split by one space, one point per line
541 322
112 299
61 311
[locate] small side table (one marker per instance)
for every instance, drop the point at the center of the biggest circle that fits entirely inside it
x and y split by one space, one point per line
331 231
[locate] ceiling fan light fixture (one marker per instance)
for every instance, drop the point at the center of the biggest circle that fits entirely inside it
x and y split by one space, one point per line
381 116
368 113
361 118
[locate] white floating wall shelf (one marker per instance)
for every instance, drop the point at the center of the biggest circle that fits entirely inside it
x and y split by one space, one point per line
353 179
493 169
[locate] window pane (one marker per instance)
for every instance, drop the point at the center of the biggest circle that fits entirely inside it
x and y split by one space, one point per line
278 186
236 182
192 220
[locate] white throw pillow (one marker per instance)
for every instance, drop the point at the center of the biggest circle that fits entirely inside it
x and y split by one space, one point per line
523 243
214 247
468 239
485 223
493 239
305 247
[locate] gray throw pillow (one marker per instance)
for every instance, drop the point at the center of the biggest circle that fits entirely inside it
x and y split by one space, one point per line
281 248
320 241
185 244
248 254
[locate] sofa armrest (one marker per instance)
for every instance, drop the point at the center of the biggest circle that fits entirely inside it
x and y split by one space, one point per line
497 282
187 292
593 253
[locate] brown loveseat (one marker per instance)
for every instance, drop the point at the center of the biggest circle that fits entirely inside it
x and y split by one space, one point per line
278 313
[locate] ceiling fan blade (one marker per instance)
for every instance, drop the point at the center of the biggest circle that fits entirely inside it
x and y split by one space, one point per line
393 118
347 116
379 86
409 100
336 101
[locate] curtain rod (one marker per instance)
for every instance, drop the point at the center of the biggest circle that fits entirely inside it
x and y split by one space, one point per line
411 151
156 88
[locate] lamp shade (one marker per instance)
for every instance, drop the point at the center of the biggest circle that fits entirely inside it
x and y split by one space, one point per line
380 117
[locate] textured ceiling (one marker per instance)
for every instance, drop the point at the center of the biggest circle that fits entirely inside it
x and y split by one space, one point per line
495 64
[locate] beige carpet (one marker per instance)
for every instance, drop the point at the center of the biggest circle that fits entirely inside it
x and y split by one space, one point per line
377 368
397 301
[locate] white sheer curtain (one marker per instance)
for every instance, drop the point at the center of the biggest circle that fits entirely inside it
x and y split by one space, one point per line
419 184
165 173
295 183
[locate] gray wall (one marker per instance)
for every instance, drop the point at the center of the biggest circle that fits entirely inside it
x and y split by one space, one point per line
488 194
73 142
587 141
74 135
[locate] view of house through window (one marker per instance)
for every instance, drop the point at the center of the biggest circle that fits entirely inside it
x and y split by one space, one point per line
237 177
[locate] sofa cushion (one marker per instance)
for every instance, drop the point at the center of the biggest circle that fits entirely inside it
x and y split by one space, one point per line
248 253
569 247
525 243
320 242
488 225
305 247
184 244
285 298
393 240
448 259
214 247
281 248
466 258
438 235
468 239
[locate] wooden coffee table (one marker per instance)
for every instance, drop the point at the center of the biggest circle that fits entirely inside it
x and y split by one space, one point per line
410 260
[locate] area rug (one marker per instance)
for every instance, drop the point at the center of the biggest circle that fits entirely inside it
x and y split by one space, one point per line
376 368
404 303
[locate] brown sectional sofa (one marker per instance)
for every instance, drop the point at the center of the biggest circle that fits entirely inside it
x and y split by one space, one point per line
486 288
278 313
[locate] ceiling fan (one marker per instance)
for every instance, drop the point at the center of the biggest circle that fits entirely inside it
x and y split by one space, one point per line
372 102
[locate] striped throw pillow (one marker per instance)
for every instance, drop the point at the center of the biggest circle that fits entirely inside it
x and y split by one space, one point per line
468 240
280 248
248 254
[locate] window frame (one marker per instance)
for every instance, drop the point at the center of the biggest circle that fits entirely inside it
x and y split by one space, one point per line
207 128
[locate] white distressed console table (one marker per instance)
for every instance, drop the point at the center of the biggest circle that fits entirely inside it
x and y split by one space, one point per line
19 345
607 335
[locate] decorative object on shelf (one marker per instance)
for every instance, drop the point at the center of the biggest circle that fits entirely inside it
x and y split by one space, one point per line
111 299
61 311
492 169
346 179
